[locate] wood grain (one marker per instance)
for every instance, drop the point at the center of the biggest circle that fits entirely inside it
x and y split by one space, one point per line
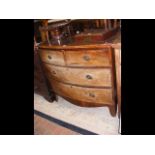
87 77
89 58
83 74
52 57
118 77
102 96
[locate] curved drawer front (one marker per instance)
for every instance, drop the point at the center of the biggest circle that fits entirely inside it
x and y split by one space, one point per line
89 58
101 96
81 76
52 57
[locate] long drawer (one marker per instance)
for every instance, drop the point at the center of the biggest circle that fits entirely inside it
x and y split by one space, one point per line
100 96
52 57
80 76
89 58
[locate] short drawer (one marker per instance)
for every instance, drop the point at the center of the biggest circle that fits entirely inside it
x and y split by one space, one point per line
52 57
89 58
100 96
81 76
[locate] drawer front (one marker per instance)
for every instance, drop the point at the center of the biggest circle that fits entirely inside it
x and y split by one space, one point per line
52 57
81 76
100 96
89 58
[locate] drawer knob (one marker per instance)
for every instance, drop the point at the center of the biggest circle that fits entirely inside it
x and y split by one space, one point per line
86 57
89 77
91 95
49 57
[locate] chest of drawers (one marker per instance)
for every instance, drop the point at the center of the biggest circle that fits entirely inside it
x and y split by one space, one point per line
82 74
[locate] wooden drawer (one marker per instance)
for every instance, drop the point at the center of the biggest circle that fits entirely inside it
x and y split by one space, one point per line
52 57
100 96
89 58
81 76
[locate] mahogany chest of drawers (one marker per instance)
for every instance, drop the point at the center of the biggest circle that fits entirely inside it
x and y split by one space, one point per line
82 74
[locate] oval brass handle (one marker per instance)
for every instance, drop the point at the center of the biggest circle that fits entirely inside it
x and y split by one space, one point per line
89 77
49 57
91 95
53 72
86 57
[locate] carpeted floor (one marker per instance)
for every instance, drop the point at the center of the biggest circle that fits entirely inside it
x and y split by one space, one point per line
46 127
96 120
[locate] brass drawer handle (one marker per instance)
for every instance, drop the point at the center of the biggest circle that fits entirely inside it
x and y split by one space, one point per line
89 77
86 57
91 95
53 72
49 57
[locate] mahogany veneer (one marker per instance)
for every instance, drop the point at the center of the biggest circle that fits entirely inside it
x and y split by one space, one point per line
82 74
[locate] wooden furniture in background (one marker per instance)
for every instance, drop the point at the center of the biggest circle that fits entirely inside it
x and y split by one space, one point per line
56 32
